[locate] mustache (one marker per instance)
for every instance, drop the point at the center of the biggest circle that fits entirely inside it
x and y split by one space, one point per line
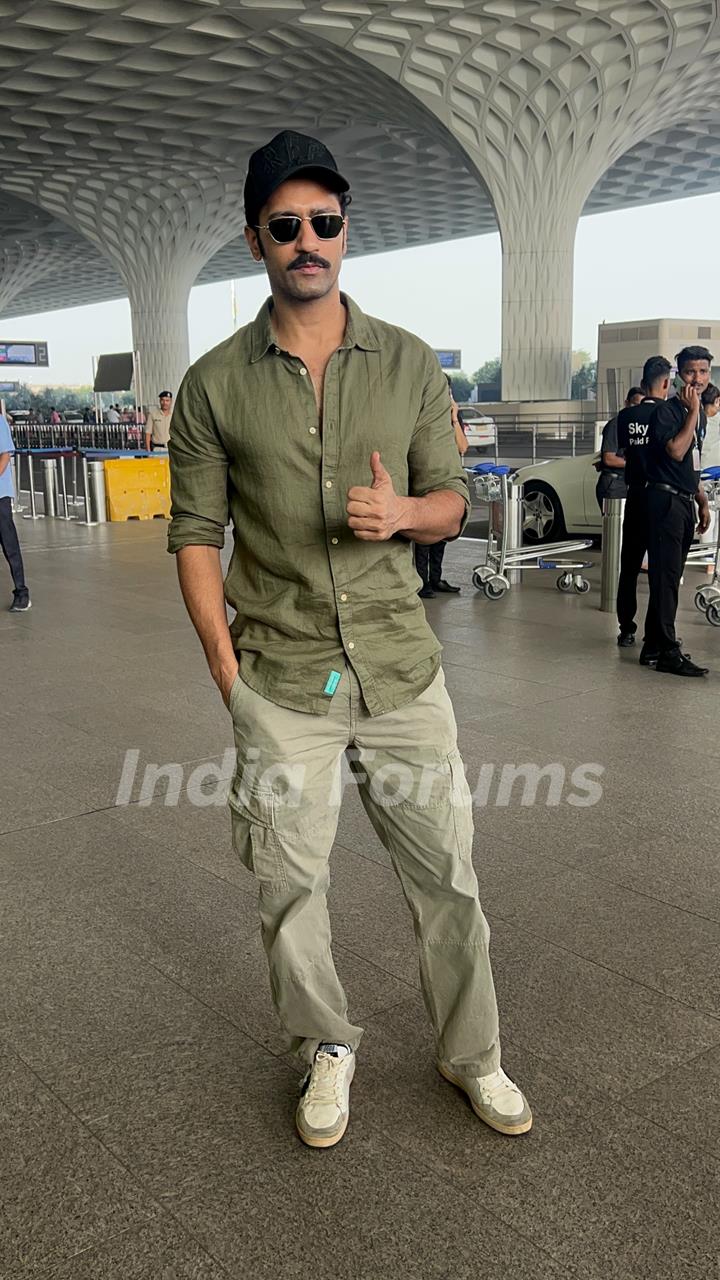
307 260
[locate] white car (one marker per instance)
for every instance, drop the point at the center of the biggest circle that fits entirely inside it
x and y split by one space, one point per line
480 430
559 495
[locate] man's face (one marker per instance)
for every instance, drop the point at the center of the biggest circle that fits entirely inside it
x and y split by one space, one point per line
696 373
308 267
165 402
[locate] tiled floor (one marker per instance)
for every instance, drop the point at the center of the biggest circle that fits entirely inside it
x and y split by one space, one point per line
146 1109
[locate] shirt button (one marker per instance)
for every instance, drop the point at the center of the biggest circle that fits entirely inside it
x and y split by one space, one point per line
328 484
276 350
334 541
313 431
351 644
303 371
343 596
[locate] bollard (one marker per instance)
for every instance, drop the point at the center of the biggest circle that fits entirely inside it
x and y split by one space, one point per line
613 512
515 516
49 475
16 461
63 491
97 492
34 513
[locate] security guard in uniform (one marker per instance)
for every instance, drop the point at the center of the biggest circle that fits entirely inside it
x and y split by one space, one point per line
673 487
611 480
632 438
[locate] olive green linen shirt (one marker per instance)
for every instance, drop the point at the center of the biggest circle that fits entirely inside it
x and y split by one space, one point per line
247 446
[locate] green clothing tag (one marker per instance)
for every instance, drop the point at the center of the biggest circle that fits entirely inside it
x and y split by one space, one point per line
333 681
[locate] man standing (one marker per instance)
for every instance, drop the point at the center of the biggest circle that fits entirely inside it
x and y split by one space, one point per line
677 430
611 480
429 559
632 437
8 533
323 435
157 424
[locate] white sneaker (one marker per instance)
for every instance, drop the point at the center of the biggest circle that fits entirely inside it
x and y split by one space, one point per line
324 1108
495 1099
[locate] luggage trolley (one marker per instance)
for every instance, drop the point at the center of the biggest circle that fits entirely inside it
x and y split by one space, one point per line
495 486
707 598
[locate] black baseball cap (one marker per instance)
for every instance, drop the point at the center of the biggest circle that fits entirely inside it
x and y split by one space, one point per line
285 156
162 394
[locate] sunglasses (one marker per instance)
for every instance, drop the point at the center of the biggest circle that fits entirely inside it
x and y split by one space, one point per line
286 228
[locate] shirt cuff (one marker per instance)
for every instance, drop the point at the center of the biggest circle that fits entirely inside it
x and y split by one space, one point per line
190 531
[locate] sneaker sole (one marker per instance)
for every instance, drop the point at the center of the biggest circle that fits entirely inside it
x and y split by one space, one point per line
25 609
510 1129
323 1142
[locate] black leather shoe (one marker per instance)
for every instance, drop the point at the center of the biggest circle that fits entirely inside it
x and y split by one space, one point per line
426 593
626 639
679 665
648 657
445 587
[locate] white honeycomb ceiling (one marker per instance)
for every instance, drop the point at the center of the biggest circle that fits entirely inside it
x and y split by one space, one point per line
105 106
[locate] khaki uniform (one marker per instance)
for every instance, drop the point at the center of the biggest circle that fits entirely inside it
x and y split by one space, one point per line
157 424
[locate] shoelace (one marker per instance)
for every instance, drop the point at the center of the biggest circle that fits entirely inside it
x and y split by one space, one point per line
324 1084
501 1083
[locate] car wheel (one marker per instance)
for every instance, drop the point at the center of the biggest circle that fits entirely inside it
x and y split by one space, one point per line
542 513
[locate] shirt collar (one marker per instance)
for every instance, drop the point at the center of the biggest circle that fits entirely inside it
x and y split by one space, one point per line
358 333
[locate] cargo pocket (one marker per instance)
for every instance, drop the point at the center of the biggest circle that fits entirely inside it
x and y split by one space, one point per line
255 839
461 800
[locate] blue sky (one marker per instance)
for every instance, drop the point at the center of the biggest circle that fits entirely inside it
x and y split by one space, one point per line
628 265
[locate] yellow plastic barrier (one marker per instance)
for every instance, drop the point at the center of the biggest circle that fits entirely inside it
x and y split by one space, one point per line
137 488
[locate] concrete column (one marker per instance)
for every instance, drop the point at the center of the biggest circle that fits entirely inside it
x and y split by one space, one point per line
159 312
24 262
537 302
158 233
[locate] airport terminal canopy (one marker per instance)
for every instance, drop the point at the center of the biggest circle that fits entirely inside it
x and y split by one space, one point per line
126 129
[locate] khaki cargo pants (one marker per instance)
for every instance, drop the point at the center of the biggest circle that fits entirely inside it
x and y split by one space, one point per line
284 802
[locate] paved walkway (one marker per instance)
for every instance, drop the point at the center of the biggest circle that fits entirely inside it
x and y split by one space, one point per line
146 1117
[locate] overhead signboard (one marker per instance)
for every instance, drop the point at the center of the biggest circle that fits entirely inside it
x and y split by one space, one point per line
7 388
449 359
27 353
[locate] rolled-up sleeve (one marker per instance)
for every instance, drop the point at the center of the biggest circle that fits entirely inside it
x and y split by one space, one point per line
198 472
434 462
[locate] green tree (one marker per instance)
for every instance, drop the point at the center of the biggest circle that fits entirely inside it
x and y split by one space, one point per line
584 382
490 372
462 386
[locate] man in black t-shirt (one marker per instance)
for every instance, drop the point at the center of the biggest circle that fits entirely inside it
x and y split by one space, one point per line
673 466
632 437
611 480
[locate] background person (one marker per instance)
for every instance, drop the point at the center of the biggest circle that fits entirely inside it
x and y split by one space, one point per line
711 403
611 480
429 559
8 533
278 430
157 423
632 436
674 488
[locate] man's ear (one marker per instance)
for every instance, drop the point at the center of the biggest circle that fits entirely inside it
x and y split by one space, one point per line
253 240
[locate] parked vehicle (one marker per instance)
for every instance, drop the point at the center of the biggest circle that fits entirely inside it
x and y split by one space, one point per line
559 495
480 430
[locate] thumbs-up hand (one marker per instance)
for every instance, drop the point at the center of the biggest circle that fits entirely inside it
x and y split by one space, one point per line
375 514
